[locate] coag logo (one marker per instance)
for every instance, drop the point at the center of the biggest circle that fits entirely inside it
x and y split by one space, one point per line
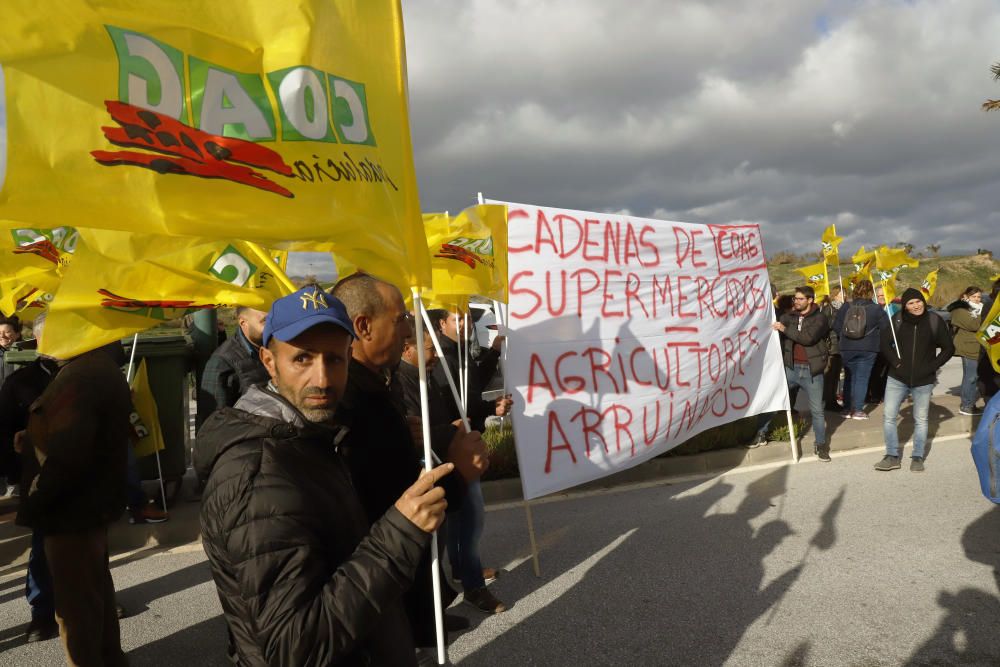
312 105
468 251
232 267
49 244
219 130
990 335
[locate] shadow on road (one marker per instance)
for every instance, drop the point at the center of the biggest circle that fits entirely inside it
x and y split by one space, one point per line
186 647
968 633
136 598
688 579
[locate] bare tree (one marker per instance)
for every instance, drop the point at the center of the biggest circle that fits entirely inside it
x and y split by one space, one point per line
934 249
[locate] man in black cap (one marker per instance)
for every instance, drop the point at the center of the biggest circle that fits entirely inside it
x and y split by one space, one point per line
302 577
921 346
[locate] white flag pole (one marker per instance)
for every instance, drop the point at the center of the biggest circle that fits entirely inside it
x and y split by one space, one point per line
131 360
428 464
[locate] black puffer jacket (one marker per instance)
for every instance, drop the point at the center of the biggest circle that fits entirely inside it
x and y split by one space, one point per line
302 578
923 348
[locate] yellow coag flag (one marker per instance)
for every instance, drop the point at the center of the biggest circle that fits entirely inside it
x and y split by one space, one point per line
929 284
886 279
35 257
469 252
830 241
989 334
260 120
146 418
894 259
817 277
120 284
864 263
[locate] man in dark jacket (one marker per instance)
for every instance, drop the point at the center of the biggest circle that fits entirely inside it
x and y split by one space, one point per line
235 365
449 328
303 576
448 439
805 348
923 347
383 447
80 437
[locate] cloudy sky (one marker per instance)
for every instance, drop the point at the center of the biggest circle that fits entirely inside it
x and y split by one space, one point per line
789 114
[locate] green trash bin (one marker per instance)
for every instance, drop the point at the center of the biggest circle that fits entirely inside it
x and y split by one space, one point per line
168 356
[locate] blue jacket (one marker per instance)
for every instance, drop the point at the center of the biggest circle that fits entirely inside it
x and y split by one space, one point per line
875 321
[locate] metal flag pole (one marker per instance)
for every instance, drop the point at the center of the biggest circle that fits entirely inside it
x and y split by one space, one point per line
156 452
428 464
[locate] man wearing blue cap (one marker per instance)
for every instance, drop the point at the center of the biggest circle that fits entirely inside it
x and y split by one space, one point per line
302 577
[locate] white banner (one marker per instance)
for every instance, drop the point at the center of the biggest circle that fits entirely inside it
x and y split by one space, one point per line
629 336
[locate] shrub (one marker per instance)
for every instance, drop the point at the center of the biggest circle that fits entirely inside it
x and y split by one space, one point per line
503 455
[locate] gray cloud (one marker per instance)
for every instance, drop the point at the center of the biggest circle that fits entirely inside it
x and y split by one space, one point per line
793 115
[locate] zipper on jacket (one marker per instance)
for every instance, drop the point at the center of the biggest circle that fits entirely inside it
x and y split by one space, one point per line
913 354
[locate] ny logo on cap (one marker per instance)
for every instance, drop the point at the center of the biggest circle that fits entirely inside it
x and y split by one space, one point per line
316 299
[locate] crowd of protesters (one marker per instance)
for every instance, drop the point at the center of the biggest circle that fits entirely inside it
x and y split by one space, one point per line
862 351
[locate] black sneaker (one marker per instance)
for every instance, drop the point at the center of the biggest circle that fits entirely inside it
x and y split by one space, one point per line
41 629
484 601
917 464
823 453
972 412
888 463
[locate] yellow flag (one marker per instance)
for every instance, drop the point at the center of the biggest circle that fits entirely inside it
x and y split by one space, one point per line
120 283
830 241
886 279
266 121
929 284
864 263
894 259
469 252
816 276
989 334
36 257
146 418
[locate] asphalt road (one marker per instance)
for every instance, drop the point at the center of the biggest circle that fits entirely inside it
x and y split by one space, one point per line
811 564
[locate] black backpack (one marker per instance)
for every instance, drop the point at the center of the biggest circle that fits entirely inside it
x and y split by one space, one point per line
856 322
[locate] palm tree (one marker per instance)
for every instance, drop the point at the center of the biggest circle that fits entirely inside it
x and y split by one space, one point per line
993 105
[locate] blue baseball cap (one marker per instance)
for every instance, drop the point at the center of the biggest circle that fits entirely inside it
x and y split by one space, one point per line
300 311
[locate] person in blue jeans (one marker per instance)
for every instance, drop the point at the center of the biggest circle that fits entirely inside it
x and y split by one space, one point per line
859 345
924 345
805 350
